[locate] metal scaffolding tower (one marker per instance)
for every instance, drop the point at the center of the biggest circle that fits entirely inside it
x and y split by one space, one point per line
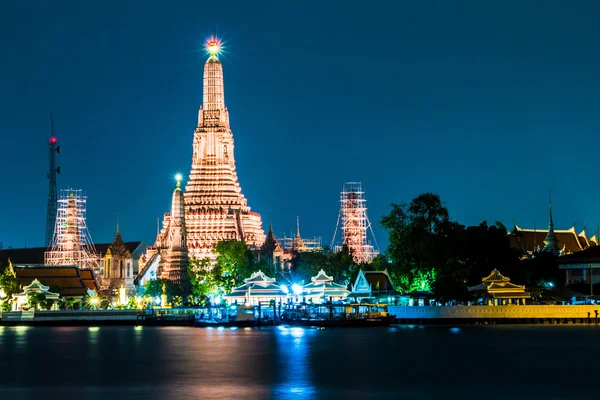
52 193
354 223
72 243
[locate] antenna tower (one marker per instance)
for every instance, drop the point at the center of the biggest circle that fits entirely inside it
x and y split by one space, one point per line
72 243
354 224
52 193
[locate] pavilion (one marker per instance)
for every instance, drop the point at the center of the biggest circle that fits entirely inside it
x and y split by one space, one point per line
258 288
373 286
36 287
323 289
498 290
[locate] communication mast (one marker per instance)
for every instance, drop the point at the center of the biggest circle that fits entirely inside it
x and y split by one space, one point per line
52 194
354 223
72 243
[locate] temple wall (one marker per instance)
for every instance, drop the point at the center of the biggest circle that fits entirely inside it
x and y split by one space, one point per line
510 311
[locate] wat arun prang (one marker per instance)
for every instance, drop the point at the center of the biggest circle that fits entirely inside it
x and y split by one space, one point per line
214 207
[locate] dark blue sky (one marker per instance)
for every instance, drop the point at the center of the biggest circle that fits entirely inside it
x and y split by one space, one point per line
488 103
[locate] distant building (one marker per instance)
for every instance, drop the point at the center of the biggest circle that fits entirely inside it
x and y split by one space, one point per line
497 290
582 267
257 288
373 286
119 263
323 289
557 242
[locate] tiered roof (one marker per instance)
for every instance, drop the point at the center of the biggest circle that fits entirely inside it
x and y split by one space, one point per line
323 285
498 286
569 241
37 287
258 285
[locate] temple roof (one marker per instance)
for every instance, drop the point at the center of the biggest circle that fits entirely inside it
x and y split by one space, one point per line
118 247
495 276
259 277
373 281
321 277
529 240
37 287
71 280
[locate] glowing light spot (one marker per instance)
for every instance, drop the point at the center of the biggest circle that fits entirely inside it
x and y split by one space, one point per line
52 140
455 330
297 289
214 46
94 328
285 289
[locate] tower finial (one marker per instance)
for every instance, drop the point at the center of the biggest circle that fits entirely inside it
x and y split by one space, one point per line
297 226
551 225
551 242
178 178
118 226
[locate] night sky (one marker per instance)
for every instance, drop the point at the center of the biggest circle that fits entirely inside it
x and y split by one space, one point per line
488 103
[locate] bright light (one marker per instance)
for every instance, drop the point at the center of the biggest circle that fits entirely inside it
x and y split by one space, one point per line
297 289
285 289
550 284
213 46
233 307
2 294
178 177
94 301
217 300
157 300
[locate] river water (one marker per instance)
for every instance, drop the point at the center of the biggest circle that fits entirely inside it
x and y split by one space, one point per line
410 362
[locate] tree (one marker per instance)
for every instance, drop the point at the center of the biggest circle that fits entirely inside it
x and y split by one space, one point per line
154 288
415 232
235 261
9 285
36 299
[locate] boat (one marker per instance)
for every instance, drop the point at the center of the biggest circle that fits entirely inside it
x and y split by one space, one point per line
242 316
338 315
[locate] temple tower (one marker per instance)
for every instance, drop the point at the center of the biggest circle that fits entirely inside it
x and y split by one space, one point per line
215 208
174 254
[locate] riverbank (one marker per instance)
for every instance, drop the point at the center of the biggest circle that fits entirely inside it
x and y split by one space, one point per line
455 315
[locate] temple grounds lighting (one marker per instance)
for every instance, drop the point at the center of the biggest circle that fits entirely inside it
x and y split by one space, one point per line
297 289
285 289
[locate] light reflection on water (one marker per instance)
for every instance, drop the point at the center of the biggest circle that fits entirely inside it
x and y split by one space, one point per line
290 362
293 347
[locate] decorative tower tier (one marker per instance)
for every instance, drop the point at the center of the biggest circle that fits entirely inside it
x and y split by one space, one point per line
215 208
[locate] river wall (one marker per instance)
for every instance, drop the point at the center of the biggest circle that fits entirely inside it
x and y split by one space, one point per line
510 313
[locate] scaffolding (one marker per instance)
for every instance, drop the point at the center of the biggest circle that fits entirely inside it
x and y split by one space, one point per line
310 244
354 224
72 243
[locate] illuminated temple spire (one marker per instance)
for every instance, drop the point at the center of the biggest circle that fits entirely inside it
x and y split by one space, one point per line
215 208
551 242
175 260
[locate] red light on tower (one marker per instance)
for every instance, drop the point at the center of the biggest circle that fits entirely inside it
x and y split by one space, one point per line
52 140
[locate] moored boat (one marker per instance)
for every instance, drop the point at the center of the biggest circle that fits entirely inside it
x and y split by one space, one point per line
338 315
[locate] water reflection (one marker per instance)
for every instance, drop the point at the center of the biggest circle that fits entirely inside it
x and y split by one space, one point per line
294 345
